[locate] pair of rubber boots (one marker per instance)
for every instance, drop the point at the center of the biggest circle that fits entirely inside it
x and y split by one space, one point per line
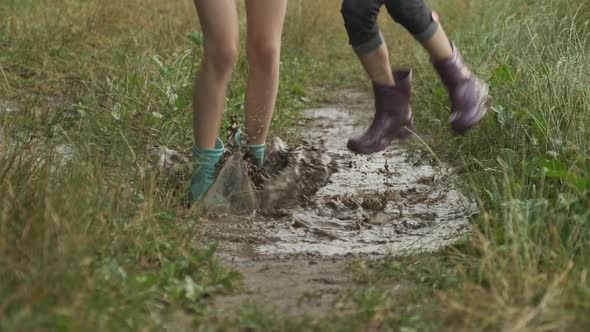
393 116
205 162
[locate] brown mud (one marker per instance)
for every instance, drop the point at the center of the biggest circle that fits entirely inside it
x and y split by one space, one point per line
320 205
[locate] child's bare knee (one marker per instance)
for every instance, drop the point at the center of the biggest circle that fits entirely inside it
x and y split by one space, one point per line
263 54
222 59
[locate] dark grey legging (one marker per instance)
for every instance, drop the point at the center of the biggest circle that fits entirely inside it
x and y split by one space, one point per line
360 19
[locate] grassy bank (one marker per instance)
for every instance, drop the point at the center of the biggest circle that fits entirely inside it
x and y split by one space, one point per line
89 237
91 240
526 266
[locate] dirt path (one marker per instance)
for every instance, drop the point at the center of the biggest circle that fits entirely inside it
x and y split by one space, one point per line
293 259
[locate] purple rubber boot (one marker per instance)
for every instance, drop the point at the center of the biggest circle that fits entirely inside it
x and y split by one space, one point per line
393 116
468 94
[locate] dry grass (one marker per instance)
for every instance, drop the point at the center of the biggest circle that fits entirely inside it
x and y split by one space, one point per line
98 243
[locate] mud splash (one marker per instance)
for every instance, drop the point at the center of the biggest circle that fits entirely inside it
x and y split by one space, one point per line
289 178
319 205
381 204
385 204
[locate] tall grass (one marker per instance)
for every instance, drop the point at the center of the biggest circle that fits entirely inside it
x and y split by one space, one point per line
91 239
526 266
532 169
95 241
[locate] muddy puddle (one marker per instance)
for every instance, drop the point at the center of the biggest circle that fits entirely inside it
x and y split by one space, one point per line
291 227
337 203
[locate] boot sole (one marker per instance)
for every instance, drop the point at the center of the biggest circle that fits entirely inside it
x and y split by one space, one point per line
404 132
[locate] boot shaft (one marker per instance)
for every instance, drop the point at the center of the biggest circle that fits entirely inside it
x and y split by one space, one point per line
390 98
467 93
452 71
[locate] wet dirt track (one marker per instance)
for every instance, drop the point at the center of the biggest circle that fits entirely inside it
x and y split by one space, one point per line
384 204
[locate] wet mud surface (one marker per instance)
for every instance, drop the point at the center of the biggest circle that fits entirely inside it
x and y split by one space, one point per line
336 203
292 287
332 206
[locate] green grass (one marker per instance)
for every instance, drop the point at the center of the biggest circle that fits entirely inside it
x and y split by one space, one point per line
526 267
97 243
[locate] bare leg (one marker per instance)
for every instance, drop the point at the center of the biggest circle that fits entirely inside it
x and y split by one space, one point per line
265 27
219 22
376 64
439 46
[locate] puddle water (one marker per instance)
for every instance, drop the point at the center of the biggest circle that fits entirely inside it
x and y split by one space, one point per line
324 205
376 205
57 155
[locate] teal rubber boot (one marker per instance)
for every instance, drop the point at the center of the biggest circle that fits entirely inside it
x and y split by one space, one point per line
256 152
204 166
